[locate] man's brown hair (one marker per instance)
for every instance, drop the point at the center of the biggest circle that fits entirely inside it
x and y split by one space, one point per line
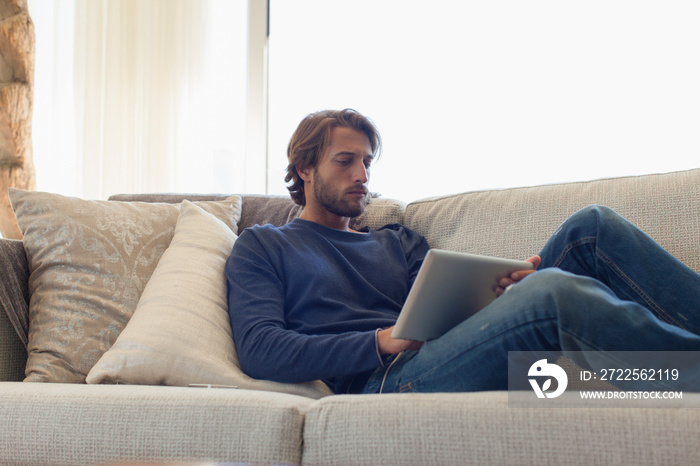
311 138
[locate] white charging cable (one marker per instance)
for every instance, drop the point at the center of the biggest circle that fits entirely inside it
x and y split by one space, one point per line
381 388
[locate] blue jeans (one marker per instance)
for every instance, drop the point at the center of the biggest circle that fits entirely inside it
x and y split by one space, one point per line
603 285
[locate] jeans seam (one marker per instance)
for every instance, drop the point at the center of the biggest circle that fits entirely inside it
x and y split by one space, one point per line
572 245
406 388
660 312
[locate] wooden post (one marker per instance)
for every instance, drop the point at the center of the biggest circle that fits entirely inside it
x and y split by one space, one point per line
16 98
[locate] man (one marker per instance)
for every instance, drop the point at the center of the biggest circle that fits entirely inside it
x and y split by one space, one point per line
315 299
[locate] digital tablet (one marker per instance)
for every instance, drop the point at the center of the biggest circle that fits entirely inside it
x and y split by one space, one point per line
450 287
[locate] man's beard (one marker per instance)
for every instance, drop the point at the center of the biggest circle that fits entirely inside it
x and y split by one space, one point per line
334 202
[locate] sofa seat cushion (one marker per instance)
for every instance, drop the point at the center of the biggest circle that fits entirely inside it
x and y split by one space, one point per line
516 223
69 424
479 428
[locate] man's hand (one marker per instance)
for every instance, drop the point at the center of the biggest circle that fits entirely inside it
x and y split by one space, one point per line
515 277
389 345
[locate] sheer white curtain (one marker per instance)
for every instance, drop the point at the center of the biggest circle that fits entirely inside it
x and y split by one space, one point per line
149 96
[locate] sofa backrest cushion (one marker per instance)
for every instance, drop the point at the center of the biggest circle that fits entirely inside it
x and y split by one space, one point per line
516 223
278 210
256 209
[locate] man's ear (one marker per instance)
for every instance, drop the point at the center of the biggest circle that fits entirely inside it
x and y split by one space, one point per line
305 172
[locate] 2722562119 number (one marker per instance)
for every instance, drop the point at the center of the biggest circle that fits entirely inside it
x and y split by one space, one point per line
613 375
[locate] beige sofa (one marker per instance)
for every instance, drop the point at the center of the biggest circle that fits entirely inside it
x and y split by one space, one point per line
76 423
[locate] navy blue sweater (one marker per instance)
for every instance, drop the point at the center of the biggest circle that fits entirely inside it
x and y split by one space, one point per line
304 300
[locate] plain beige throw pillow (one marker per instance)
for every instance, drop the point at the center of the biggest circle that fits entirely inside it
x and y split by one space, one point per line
180 332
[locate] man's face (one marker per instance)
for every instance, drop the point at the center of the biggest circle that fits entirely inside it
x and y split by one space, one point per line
340 180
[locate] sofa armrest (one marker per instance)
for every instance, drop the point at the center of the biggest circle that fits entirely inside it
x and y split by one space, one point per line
14 304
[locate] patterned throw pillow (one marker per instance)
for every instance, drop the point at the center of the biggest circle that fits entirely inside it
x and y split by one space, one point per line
180 332
89 262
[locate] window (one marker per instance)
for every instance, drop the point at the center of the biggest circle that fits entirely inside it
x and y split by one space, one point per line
479 95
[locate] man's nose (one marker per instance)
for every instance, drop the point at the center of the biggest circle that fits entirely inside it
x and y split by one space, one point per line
361 173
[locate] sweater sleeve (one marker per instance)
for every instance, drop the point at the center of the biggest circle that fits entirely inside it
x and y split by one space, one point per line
414 246
266 348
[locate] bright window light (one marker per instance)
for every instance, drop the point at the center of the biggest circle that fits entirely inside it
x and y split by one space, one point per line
472 95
